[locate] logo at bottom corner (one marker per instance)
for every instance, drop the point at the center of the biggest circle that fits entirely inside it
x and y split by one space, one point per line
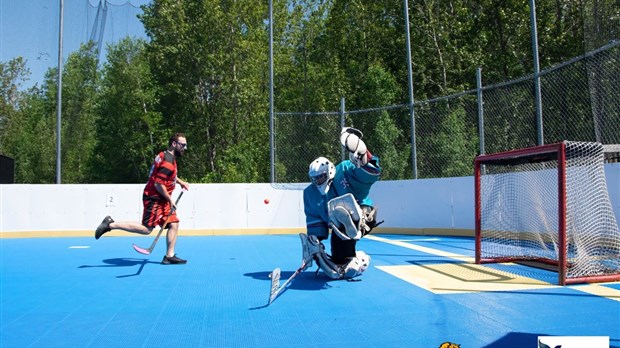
573 341
449 345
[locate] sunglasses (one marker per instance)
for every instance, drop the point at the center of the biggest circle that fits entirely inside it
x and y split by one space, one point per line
183 145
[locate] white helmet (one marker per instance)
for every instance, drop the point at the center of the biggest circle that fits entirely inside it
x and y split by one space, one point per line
322 172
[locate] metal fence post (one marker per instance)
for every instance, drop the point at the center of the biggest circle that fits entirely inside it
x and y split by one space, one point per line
539 116
272 156
59 99
414 160
480 109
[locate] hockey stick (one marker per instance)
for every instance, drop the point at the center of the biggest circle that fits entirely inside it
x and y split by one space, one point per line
150 249
276 289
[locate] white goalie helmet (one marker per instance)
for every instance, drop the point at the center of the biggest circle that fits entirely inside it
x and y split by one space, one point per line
322 172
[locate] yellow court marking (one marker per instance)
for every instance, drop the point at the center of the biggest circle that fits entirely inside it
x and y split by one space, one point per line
467 277
599 290
450 278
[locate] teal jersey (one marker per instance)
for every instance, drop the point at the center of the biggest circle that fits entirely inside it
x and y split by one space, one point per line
357 181
348 179
315 208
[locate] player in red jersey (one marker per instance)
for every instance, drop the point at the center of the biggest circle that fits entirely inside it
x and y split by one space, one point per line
157 200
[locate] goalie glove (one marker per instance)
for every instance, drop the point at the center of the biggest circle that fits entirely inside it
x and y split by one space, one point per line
369 220
351 139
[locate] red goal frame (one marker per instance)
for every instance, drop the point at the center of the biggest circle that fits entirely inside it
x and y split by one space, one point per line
557 152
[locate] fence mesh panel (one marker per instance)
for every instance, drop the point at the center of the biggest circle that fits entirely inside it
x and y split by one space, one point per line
578 99
509 116
300 138
447 136
387 132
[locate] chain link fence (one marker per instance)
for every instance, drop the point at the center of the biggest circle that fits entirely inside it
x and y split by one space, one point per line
299 138
579 102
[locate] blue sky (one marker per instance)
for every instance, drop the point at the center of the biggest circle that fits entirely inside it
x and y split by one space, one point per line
30 28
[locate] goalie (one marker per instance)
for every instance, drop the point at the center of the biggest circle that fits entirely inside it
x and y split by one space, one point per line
338 199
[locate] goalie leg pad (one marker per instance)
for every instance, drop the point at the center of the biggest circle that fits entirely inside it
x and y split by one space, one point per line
328 267
310 246
345 216
355 267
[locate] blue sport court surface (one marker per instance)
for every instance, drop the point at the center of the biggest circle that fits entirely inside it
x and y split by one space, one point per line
419 291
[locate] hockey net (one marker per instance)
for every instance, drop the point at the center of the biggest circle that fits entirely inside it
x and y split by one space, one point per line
549 204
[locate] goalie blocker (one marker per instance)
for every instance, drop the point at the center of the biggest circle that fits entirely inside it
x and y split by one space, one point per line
348 220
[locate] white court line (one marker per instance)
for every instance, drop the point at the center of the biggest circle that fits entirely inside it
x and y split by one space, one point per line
418 240
79 247
422 249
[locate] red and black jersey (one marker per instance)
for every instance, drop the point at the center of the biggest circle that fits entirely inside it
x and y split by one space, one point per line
163 171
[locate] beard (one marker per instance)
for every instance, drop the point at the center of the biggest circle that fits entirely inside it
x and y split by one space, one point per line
178 153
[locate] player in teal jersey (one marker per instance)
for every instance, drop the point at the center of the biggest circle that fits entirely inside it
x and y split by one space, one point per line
338 200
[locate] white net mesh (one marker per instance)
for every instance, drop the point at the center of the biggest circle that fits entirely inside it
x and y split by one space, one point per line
519 211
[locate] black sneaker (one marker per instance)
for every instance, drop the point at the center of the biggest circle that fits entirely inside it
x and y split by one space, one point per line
174 260
103 227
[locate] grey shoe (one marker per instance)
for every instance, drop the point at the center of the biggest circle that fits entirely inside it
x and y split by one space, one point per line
103 227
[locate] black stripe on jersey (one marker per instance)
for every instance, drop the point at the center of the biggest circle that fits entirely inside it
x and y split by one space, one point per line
164 172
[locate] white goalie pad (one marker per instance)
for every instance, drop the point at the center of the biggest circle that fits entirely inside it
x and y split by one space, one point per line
357 265
345 216
310 247
354 268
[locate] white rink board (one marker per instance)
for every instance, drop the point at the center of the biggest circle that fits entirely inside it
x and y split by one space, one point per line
446 203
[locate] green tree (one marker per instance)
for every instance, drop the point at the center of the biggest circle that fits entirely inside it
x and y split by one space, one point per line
210 59
35 146
454 146
12 74
27 128
79 94
381 132
129 129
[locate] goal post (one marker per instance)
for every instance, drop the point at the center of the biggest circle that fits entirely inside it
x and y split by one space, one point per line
549 204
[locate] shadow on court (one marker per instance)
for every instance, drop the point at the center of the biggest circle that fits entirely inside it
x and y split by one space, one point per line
304 281
124 262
